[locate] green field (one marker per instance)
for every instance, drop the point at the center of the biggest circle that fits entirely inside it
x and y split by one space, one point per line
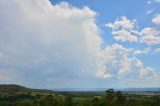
13 95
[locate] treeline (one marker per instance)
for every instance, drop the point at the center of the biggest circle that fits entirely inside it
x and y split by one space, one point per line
110 98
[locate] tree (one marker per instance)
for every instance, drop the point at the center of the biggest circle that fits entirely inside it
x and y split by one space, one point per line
110 95
120 98
95 101
49 100
69 100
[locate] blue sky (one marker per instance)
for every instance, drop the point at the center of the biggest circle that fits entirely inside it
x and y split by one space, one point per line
80 43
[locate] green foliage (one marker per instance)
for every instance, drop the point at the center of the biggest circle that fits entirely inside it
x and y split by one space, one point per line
69 100
121 99
110 98
110 94
48 100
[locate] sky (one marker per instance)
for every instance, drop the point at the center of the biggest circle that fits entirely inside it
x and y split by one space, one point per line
80 43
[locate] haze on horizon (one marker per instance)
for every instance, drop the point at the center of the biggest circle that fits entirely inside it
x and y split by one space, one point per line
80 43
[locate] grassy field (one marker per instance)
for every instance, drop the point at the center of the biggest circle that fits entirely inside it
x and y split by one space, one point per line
13 95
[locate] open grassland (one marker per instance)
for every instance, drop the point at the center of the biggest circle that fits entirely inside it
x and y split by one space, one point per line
13 95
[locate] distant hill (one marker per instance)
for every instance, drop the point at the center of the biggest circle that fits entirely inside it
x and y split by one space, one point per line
80 89
12 88
142 89
104 89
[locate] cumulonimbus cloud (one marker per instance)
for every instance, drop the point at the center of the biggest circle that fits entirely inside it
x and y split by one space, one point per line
46 45
46 42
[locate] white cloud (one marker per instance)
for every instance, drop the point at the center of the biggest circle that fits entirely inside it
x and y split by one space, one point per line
122 23
147 72
150 36
149 11
156 19
126 65
139 52
149 2
158 1
123 29
157 50
103 74
124 38
117 61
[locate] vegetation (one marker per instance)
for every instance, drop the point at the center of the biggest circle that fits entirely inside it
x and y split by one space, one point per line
13 95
